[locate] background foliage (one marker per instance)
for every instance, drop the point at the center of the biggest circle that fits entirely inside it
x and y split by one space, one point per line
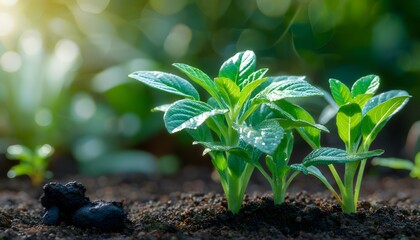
64 66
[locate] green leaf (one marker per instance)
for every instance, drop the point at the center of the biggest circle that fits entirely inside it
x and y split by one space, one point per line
365 85
262 113
198 77
377 117
348 121
236 164
188 114
395 163
340 92
287 110
299 168
219 147
325 156
247 91
362 99
45 151
293 124
20 152
280 158
381 98
167 82
239 67
228 89
292 88
253 77
266 136
161 108
20 170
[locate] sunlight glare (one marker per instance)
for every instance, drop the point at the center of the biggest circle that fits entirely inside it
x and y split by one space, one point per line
10 61
31 42
7 24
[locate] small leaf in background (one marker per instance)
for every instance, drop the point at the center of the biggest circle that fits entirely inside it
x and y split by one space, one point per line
19 152
166 82
288 89
376 118
239 67
348 121
188 114
198 77
396 163
365 85
340 92
266 136
325 156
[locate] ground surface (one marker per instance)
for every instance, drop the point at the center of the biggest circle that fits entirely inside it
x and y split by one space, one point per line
191 206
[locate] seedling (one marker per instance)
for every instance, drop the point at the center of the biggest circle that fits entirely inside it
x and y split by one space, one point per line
360 117
223 123
31 163
278 172
397 163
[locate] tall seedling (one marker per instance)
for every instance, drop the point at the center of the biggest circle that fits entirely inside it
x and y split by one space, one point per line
220 123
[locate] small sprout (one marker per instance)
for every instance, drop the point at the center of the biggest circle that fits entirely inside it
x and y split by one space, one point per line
31 163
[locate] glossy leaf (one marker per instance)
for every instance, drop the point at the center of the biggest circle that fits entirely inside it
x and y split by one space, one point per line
239 67
288 89
362 99
325 156
299 168
248 89
292 124
214 146
266 136
365 85
287 110
381 98
198 77
377 117
348 121
188 114
166 82
253 77
340 92
228 89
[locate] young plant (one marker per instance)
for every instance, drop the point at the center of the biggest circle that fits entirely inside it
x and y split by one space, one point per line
31 163
221 124
397 163
360 117
291 117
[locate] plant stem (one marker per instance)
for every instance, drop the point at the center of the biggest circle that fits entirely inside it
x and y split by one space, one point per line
348 205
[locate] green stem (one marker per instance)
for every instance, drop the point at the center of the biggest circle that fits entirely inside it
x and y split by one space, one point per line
337 178
348 204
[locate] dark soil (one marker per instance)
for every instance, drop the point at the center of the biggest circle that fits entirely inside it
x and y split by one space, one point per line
191 206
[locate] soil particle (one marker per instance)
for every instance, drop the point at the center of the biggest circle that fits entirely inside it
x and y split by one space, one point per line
68 203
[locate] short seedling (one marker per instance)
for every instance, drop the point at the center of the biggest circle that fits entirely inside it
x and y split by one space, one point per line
291 117
397 163
223 123
360 117
31 163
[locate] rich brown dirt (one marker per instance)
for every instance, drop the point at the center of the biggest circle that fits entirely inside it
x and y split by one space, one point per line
191 206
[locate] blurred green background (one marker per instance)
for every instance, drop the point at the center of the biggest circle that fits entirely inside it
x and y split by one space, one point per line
64 67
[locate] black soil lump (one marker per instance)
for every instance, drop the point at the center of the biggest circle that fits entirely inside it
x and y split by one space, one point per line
68 203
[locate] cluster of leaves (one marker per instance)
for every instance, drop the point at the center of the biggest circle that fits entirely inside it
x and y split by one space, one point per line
249 117
31 163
